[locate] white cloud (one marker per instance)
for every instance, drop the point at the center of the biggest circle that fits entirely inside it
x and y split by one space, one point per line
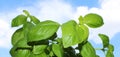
4 37
110 12
60 11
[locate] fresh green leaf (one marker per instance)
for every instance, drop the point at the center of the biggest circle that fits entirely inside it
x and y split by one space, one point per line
38 49
57 49
22 53
83 32
42 31
18 34
27 27
93 20
88 50
34 19
19 20
105 40
22 43
73 34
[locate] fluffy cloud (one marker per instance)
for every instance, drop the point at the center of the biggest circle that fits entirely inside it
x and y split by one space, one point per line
110 12
60 11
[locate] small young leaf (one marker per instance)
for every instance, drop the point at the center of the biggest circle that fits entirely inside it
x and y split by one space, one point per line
88 50
57 49
26 12
93 20
81 20
18 34
105 40
42 31
19 20
34 19
38 49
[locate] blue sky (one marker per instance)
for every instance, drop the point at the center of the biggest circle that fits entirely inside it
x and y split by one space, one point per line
62 11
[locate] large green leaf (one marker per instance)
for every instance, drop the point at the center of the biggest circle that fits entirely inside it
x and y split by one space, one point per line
19 20
38 49
73 34
42 31
22 53
57 49
93 20
18 34
88 50
34 19
105 40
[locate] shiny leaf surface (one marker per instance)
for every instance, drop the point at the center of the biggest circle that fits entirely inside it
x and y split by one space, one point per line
93 20
42 31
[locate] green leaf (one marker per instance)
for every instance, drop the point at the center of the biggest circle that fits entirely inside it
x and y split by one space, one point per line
34 19
93 20
42 31
88 50
73 34
18 34
27 27
22 43
22 53
57 49
105 40
38 49
19 20
83 32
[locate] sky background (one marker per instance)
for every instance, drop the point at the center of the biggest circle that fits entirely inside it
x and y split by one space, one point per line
62 11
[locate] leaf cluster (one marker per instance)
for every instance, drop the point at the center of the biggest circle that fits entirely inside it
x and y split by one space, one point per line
39 38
